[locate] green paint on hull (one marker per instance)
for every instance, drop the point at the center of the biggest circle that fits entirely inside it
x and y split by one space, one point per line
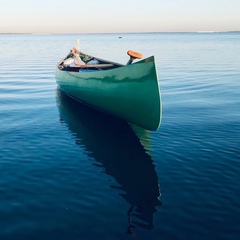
130 92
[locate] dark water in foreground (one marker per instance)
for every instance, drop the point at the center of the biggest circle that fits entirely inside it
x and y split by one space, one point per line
69 172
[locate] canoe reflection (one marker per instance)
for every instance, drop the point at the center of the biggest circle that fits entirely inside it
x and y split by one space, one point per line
114 144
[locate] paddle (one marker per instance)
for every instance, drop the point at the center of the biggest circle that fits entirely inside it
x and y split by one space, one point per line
133 55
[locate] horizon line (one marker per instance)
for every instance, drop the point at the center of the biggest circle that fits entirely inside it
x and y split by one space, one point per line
54 33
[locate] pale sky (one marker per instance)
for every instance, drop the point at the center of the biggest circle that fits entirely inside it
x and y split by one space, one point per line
109 16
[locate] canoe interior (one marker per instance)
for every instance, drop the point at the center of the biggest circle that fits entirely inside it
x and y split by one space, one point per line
101 65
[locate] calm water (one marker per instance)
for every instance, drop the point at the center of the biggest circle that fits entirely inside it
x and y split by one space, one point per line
68 172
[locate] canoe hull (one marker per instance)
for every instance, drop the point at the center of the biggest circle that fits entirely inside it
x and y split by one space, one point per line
130 92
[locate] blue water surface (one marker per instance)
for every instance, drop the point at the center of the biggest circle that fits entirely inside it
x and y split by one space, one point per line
69 172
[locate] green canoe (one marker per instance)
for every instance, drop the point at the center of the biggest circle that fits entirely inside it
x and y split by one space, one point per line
130 92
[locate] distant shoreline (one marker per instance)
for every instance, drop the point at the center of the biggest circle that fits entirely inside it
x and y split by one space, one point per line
43 33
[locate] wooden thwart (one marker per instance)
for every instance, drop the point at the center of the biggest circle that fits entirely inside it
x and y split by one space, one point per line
95 65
